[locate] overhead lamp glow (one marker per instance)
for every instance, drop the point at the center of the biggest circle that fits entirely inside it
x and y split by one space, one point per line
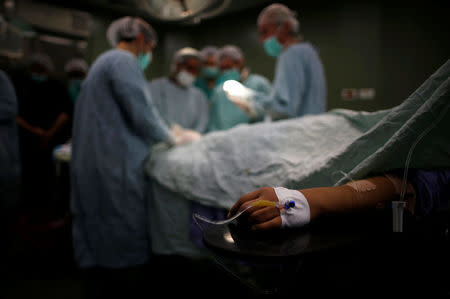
183 10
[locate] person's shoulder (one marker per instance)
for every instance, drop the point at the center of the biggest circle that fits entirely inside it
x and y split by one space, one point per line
6 84
258 77
159 81
115 58
6 77
303 52
116 53
3 75
303 48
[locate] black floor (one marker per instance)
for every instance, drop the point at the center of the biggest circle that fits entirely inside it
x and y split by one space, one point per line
37 262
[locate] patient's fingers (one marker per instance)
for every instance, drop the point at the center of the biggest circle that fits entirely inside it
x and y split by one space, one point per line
251 195
247 197
274 223
248 206
263 214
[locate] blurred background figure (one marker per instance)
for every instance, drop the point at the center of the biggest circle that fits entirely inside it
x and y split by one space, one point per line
76 70
177 100
299 84
44 108
114 126
9 155
206 80
224 114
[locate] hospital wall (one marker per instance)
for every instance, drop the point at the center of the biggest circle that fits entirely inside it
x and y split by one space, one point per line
368 44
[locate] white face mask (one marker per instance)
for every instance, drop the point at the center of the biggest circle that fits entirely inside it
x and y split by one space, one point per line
185 78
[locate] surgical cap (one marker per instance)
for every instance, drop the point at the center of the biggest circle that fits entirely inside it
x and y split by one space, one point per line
230 51
280 13
43 60
185 53
208 51
128 28
76 64
182 55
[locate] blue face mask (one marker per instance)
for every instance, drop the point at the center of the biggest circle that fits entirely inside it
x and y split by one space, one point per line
273 47
39 78
144 60
232 74
74 88
210 72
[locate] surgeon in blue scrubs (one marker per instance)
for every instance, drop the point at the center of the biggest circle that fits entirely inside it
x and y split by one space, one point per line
115 124
177 100
299 86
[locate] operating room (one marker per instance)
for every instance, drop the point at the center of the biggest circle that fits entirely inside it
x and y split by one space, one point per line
224 148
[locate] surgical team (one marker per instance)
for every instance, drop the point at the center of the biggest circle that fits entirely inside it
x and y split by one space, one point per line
114 121
112 115
119 115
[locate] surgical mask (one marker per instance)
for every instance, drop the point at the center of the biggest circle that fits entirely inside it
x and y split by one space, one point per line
210 72
144 60
74 88
232 74
185 78
273 47
39 78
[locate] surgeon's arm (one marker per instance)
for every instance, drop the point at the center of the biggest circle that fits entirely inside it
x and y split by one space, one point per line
202 115
133 97
248 100
315 202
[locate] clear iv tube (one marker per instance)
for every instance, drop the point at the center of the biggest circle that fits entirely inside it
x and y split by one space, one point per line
408 159
259 203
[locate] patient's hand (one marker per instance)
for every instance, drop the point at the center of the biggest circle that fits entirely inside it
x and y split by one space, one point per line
260 218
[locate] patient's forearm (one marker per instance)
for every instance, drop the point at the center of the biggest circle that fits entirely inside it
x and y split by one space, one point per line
357 195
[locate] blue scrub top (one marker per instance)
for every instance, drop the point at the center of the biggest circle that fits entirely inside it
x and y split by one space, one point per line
115 124
299 86
185 106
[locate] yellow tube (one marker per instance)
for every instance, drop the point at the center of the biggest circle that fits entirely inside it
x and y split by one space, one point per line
265 203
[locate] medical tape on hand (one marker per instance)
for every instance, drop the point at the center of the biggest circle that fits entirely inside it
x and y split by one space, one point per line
299 214
362 185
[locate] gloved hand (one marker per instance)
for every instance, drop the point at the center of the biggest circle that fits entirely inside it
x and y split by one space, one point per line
182 136
271 217
241 96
